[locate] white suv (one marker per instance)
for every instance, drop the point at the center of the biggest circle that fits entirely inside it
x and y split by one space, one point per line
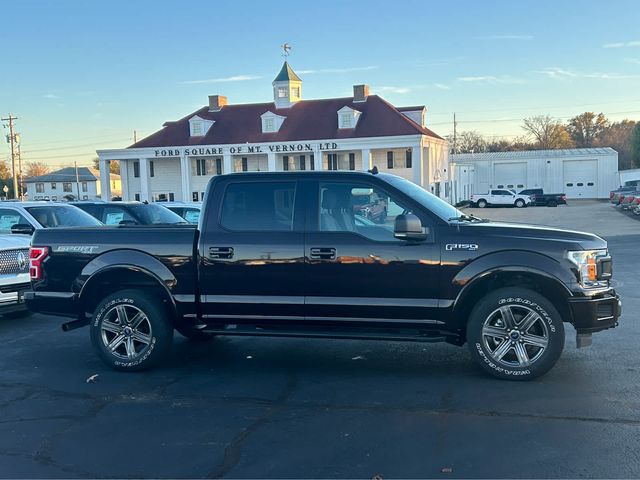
14 274
502 197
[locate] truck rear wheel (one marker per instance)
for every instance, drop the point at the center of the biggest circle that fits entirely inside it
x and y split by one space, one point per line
515 334
482 203
131 330
552 203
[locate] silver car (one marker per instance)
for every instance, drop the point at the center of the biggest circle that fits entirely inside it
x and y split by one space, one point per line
14 274
25 217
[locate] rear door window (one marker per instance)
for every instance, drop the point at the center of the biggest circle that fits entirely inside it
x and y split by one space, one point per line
259 206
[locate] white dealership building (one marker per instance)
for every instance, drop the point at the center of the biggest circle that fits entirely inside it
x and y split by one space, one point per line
286 133
577 172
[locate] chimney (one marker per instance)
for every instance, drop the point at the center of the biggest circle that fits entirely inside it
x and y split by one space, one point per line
216 102
360 93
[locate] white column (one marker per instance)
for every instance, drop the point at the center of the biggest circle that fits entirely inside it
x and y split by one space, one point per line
416 159
185 175
317 158
227 167
144 180
366 159
271 161
105 180
124 179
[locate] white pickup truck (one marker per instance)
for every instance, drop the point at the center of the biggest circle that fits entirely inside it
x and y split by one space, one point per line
14 274
500 197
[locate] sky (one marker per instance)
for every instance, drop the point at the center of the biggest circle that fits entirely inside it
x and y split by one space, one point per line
83 75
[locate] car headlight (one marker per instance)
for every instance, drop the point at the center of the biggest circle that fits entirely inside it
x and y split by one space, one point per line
594 267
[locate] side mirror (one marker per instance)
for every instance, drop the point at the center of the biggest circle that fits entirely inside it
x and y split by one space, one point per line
22 229
409 227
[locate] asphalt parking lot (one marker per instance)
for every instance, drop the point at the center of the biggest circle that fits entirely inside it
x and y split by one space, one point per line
243 407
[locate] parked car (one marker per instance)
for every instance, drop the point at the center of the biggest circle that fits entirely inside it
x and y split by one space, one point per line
189 211
617 196
539 198
131 213
25 217
283 255
627 202
500 197
14 274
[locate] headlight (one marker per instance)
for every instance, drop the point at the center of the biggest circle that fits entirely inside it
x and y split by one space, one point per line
588 263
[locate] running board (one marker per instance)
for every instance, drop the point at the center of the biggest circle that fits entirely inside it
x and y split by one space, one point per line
246 331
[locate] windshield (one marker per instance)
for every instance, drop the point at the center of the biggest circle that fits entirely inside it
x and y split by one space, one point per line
434 204
52 216
155 215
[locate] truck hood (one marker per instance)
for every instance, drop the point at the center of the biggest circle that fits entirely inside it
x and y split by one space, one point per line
12 241
587 241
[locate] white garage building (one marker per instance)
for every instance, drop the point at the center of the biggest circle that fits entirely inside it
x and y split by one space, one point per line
578 172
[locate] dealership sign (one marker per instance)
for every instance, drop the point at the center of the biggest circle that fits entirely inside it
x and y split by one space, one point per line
246 149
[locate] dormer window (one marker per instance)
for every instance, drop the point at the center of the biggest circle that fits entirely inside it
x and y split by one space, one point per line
198 127
348 117
271 122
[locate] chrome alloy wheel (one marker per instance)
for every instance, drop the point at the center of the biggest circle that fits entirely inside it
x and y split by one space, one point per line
126 331
515 335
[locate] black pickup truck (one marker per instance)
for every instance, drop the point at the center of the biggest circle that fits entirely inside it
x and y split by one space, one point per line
287 254
540 199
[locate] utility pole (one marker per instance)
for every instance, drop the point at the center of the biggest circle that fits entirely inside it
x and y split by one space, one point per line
135 137
455 124
75 164
12 142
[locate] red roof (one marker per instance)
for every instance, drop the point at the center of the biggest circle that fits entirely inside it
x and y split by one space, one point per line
306 120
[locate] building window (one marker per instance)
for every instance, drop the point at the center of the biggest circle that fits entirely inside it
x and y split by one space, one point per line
136 169
194 196
346 120
312 162
218 166
151 170
389 160
54 198
285 163
199 167
171 197
269 125
137 197
332 161
352 161
53 185
196 129
302 161
282 92
295 92
408 160
39 187
245 164
66 187
84 186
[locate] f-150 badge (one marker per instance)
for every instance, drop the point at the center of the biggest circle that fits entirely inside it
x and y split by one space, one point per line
471 247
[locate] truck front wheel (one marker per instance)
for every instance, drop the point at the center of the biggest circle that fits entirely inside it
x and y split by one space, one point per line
515 334
131 330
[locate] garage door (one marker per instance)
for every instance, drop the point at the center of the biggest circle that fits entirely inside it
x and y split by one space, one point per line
580 178
510 175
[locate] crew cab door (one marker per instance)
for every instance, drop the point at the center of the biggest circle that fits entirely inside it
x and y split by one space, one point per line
501 197
251 251
357 272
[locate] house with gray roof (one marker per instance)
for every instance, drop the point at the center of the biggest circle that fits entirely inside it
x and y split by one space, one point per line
70 183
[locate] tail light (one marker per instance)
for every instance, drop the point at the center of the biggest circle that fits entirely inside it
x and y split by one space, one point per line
36 257
611 194
563 198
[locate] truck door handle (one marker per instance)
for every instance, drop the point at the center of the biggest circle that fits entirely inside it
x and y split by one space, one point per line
322 253
220 252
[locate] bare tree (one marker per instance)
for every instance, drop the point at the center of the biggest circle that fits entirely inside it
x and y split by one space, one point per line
618 136
114 166
468 141
586 128
547 132
35 169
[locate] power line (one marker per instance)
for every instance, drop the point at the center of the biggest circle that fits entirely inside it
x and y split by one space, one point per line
73 147
500 120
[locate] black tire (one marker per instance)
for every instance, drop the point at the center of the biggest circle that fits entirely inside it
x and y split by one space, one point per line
194 334
150 338
482 203
485 334
519 203
552 203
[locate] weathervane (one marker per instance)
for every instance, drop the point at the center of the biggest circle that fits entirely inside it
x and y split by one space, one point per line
286 48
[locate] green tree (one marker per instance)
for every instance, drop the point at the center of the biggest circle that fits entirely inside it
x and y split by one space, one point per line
5 171
586 128
114 167
635 146
547 132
